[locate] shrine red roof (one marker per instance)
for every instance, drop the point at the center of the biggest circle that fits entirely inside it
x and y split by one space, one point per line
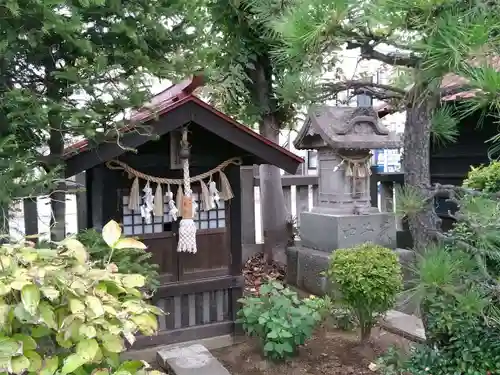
170 99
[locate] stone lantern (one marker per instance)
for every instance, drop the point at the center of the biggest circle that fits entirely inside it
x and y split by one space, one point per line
343 216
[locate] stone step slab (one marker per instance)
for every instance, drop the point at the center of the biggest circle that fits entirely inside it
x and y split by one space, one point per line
190 360
405 325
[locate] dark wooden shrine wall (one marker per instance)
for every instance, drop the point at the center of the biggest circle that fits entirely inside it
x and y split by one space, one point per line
199 292
109 191
450 163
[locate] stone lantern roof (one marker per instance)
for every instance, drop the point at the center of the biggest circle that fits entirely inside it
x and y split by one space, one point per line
355 128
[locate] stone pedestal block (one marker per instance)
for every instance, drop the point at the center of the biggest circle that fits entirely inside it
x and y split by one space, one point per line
307 266
327 232
305 269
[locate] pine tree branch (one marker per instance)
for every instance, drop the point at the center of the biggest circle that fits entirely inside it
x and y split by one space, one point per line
394 58
376 90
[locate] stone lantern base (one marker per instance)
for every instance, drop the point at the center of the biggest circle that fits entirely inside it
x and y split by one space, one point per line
328 232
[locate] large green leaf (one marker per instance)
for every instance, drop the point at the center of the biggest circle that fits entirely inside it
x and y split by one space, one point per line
62 341
71 363
50 292
10 347
111 233
30 296
112 359
29 255
76 249
19 364
129 243
47 315
76 306
112 343
49 365
133 281
87 350
87 331
4 314
131 366
22 315
27 341
35 360
95 305
146 323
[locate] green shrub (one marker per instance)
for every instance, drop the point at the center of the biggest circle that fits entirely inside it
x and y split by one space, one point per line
460 315
59 315
368 278
280 319
127 260
466 343
485 178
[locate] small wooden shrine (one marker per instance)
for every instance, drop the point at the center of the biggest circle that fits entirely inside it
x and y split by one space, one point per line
180 194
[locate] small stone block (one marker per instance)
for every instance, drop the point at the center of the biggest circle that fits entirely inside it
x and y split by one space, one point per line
309 269
190 360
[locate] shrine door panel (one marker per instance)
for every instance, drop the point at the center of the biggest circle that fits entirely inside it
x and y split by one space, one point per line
212 239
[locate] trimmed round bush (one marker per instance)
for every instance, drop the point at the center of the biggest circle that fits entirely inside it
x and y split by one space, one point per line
368 278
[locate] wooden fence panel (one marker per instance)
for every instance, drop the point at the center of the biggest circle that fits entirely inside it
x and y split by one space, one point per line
296 191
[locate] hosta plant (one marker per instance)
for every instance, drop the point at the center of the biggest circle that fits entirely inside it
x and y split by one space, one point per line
60 315
280 319
127 260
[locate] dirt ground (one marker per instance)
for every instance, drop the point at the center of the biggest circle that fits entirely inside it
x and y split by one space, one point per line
329 352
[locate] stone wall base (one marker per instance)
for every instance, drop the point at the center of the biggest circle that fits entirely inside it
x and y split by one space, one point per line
305 269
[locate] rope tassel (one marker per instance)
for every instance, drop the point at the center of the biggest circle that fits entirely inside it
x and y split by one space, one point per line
226 193
206 201
172 209
158 202
187 227
214 193
134 200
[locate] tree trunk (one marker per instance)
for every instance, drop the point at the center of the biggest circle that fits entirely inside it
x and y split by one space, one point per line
4 223
58 195
416 156
272 200
56 148
416 168
366 332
